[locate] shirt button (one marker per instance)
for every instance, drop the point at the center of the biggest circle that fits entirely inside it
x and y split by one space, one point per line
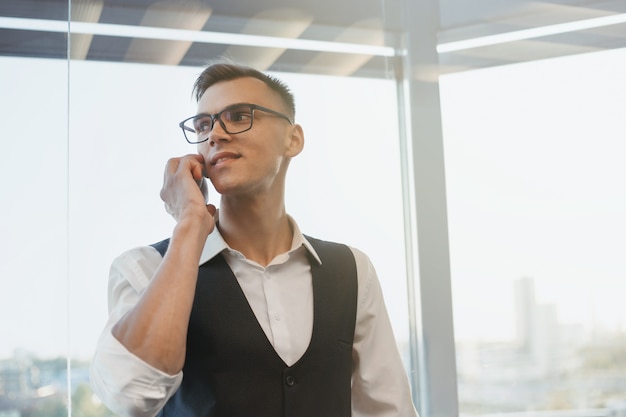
277 317
290 381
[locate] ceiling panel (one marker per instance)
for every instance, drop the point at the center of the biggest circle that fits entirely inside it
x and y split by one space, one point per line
371 22
489 18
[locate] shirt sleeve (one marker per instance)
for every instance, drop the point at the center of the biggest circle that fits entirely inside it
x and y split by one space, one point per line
380 386
126 384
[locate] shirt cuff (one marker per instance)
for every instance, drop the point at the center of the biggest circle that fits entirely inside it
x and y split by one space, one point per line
126 384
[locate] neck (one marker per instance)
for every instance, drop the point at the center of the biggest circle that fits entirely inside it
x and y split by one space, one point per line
258 229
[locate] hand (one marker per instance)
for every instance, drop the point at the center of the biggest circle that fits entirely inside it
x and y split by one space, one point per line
185 191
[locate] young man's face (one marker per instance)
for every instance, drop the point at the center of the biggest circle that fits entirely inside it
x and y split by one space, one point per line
254 161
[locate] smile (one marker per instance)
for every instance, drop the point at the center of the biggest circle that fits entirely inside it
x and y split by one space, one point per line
223 157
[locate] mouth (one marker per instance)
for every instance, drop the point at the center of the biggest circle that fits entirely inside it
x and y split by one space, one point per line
223 157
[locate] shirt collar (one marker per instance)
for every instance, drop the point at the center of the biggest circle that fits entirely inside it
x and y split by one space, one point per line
215 243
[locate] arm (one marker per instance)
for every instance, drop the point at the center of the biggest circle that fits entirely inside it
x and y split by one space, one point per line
140 354
155 329
126 384
380 386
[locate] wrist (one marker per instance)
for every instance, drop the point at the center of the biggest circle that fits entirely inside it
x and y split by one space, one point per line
194 225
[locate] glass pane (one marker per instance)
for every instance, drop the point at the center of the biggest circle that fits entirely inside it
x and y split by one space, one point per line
534 169
99 201
33 172
117 166
33 218
129 92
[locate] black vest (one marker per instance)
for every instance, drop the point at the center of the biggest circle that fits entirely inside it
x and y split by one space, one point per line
232 370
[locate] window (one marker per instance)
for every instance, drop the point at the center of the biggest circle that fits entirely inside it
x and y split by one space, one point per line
536 218
87 142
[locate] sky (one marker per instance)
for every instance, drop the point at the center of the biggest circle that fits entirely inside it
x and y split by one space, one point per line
534 178
534 169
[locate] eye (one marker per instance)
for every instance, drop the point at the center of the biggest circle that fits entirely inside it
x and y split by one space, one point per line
202 124
238 115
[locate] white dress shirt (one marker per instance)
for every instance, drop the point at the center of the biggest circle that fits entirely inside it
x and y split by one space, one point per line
281 296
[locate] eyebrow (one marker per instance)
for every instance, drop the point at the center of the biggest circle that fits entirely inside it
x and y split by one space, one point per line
242 103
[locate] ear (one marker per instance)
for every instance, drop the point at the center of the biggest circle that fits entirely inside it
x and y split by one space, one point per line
296 141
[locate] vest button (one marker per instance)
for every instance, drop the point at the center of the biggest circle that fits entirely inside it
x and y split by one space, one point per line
290 381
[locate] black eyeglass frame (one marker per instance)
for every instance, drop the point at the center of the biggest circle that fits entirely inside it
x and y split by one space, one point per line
218 117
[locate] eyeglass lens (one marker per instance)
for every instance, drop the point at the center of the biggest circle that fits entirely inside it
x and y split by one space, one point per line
233 120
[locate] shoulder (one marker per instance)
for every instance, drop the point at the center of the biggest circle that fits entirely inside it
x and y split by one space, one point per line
328 251
161 246
364 267
330 245
136 265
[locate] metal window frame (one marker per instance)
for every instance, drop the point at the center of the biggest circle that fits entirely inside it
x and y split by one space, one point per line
433 358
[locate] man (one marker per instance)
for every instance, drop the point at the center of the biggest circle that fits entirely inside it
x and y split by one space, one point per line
239 313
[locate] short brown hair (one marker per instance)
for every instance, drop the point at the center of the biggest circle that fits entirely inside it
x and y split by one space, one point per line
225 71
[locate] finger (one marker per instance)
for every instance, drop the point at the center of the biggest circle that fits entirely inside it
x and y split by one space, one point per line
198 167
171 166
193 163
182 166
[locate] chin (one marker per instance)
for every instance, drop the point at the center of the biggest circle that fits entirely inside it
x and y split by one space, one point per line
225 187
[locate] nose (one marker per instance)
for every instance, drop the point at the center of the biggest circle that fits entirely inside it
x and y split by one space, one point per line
217 133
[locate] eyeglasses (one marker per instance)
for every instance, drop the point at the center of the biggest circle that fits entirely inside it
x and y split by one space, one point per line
233 119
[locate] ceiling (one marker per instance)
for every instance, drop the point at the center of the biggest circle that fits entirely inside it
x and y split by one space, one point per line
371 22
